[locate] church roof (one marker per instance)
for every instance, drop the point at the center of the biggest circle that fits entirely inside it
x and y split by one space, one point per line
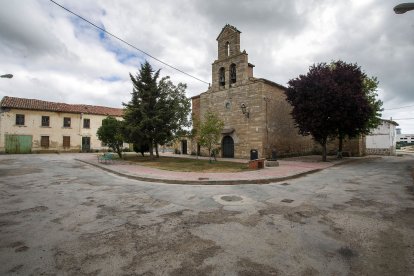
227 26
273 83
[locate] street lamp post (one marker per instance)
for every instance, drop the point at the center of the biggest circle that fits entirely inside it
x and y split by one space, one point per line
8 76
403 8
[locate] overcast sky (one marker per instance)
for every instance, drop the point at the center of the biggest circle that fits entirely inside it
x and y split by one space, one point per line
55 56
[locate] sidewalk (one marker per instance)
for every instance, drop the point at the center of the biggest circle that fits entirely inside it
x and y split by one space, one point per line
288 169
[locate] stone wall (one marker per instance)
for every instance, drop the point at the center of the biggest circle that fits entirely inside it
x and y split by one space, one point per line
355 146
269 125
282 136
248 131
377 151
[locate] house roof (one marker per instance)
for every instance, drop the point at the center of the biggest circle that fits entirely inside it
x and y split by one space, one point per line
33 104
390 122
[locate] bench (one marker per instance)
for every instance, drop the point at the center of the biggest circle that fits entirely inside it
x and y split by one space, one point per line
256 164
105 158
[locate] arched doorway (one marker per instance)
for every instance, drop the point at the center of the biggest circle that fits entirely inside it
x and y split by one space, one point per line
228 147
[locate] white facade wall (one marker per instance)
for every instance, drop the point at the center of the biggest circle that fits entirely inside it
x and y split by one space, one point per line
382 140
55 130
405 138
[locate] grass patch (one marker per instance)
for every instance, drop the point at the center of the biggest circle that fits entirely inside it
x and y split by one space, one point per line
188 164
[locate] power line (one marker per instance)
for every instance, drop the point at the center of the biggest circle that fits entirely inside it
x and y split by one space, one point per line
403 119
399 107
129 44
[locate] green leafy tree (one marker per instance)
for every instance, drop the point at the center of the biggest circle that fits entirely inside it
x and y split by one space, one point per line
110 133
210 131
172 108
158 110
194 133
140 116
370 87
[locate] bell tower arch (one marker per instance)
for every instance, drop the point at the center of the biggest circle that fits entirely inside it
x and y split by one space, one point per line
231 67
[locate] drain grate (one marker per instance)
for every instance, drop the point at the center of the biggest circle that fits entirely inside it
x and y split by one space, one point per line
286 200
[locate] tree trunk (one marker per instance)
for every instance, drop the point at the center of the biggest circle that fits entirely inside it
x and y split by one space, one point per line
323 144
119 151
150 145
156 150
341 139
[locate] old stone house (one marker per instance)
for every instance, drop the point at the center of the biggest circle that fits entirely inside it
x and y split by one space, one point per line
254 110
29 125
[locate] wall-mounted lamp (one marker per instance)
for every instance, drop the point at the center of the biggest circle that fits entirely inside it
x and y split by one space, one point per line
245 110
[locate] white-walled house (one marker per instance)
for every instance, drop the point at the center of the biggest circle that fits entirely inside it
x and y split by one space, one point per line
405 138
29 125
382 140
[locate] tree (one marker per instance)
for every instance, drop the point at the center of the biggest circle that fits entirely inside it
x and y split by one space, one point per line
110 133
335 100
140 117
358 109
210 131
194 133
157 110
311 96
172 107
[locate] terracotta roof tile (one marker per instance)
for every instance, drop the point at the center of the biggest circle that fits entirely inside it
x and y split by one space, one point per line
33 104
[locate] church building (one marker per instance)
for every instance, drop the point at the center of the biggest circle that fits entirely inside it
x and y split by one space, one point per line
254 110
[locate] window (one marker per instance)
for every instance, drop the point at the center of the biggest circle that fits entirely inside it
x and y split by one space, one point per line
66 141
44 141
86 123
20 119
45 121
66 122
222 79
227 48
233 73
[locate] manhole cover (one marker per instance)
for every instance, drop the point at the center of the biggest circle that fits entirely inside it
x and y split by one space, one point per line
285 184
231 198
287 200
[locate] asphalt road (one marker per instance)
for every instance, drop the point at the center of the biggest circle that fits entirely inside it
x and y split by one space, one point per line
61 216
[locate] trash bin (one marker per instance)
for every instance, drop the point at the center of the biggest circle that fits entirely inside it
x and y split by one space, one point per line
274 155
254 154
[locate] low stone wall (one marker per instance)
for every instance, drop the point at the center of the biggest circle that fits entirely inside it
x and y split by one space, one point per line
378 151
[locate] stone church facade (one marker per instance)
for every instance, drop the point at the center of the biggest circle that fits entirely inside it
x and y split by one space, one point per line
254 110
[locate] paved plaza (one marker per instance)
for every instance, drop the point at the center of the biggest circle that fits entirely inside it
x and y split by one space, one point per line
62 216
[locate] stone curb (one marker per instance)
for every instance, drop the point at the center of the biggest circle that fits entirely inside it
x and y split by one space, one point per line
220 182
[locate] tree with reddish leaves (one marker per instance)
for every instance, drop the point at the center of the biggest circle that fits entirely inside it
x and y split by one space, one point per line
334 100
359 111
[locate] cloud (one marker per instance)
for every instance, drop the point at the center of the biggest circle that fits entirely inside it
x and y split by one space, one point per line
55 56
